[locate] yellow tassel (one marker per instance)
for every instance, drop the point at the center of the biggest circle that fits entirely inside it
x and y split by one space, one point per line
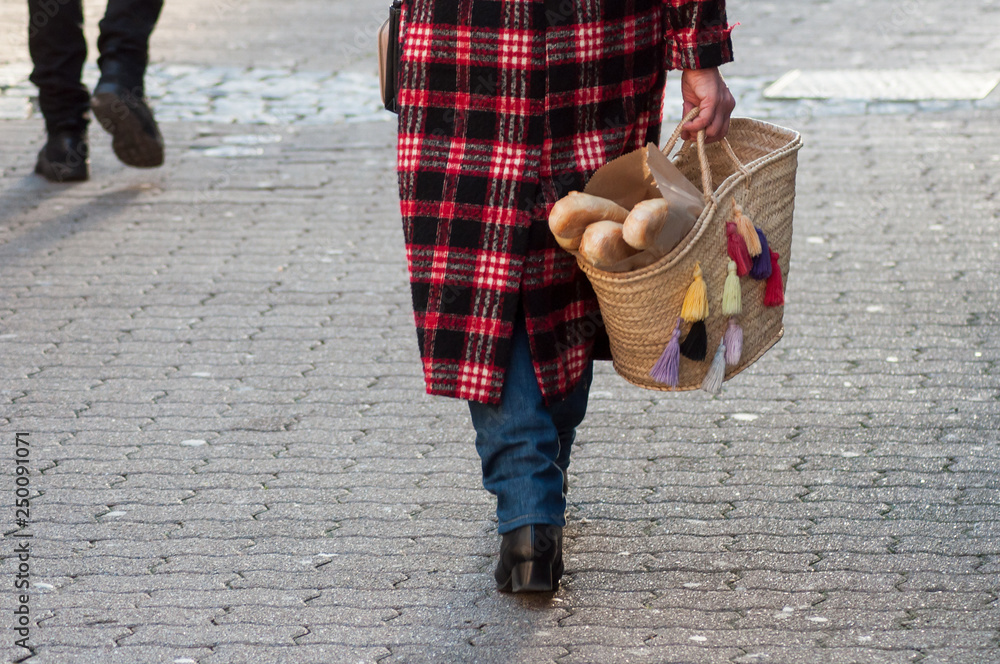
732 296
747 231
696 301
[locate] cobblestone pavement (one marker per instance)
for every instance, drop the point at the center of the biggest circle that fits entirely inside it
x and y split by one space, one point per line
234 461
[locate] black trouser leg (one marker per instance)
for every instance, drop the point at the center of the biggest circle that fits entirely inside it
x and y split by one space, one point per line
124 41
58 50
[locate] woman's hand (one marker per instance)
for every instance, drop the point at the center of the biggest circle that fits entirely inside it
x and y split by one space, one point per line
705 89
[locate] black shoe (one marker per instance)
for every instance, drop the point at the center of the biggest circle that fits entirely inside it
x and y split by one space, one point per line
126 116
65 157
530 559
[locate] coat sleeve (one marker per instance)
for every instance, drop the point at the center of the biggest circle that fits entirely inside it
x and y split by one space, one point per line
698 34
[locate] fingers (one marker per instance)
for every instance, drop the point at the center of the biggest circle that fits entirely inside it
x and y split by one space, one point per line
706 90
716 119
706 116
717 130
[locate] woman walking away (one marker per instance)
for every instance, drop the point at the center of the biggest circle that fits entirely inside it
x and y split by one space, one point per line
505 107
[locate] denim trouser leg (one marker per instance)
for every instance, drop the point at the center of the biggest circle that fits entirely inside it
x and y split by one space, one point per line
525 445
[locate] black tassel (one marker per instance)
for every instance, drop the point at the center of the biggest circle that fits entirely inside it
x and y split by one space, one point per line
695 344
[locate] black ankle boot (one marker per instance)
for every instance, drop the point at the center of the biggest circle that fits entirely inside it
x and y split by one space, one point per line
124 113
530 559
65 156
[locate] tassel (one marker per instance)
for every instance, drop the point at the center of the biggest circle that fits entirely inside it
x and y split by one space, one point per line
774 294
695 344
667 367
732 295
734 342
738 250
696 300
717 372
762 263
748 232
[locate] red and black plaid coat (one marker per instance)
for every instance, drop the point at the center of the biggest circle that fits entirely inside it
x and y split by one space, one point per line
505 107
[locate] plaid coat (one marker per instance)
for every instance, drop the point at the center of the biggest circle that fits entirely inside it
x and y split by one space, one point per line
505 106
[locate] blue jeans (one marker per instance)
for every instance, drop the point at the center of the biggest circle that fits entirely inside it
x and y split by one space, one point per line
525 445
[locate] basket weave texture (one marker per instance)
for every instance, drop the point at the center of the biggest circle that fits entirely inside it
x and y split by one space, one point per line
640 308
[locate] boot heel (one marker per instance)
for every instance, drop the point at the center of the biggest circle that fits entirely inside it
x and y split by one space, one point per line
532 577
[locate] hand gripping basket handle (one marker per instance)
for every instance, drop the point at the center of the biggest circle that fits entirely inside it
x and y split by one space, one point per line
706 170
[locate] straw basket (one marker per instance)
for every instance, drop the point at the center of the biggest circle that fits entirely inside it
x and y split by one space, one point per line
755 167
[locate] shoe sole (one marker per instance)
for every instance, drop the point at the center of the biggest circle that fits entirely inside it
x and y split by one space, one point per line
131 144
62 173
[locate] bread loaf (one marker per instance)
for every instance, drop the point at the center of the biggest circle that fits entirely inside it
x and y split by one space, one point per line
602 245
643 225
571 216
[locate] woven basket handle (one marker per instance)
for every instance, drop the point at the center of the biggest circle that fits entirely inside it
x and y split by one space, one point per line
706 170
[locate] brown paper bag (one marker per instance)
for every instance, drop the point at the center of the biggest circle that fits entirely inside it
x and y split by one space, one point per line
641 175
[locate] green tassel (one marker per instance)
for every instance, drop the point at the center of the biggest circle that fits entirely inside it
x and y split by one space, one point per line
732 295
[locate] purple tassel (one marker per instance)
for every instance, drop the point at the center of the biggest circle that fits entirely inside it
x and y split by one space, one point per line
667 367
734 342
761 269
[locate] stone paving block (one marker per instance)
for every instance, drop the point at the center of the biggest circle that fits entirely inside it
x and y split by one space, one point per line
387 634
910 601
207 636
931 581
966 546
702 596
648 653
978 619
108 602
80 637
896 562
309 616
303 654
652 618
920 639
119 654
821 619
844 655
214 597
708 524
820 581
735 560
743 639
812 543
69 617
887 527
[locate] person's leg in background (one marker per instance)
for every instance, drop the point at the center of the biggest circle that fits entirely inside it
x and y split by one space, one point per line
524 446
58 50
119 99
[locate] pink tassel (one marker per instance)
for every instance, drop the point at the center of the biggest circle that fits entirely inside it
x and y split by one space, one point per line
738 250
667 368
774 294
734 342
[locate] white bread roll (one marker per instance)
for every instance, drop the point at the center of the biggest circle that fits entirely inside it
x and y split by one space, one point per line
645 221
603 245
571 216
